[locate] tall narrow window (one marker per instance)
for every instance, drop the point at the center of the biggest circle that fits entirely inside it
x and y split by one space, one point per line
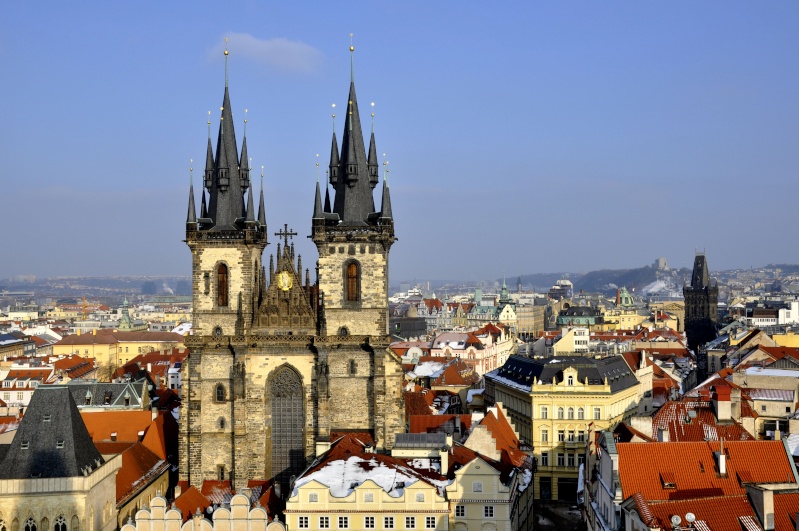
353 278
221 285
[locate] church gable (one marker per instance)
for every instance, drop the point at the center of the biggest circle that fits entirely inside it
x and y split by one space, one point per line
287 307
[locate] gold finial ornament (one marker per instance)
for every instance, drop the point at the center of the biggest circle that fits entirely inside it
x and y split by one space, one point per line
226 46
352 48
249 168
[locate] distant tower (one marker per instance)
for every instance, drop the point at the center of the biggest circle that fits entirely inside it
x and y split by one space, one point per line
701 309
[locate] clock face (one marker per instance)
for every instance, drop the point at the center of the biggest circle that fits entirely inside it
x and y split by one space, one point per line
284 280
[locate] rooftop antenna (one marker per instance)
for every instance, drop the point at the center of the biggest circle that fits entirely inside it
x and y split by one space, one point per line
226 55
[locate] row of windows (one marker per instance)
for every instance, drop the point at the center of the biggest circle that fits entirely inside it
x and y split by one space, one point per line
564 435
369 522
60 524
568 413
488 511
563 459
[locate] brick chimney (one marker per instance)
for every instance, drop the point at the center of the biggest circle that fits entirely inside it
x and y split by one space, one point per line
721 403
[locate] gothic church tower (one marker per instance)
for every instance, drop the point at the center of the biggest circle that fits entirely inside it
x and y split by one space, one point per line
701 310
278 365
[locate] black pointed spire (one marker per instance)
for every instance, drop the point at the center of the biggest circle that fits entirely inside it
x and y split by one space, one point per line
244 164
385 208
226 201
209 163
261 210
318 213
192 215
334 161
327 199
354 201
250 208
372 161
701 276
203 208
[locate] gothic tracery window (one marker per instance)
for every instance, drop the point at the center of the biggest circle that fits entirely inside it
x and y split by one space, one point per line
60 524
221 285
30 525
288 454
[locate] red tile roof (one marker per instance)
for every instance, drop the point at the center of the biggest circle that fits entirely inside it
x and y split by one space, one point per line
695 420
645 468
140 467
126 424
190 500
786 506
431 423
217 491
719 513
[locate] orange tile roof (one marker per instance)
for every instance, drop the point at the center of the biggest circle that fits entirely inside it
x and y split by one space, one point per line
720 513
645 468
189 501
127 424
430 423
217 491
416 404
786 506
507 443
676 417
139 467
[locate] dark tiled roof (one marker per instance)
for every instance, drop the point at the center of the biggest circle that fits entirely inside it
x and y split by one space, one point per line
52 440
614 368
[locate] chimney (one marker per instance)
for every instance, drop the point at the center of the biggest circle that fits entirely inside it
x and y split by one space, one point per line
149 367
763 503
113 436
721 403
178 491
154 411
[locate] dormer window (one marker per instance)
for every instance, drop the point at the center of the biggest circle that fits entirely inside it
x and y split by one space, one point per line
59 444
570 380
7 383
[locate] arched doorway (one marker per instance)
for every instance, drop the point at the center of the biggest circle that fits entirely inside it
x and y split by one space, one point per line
288 420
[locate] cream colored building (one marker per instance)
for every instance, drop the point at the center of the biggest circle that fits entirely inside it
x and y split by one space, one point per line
112 348
555 402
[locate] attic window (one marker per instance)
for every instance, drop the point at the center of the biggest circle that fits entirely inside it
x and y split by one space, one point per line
667 480
24 445
477 486
46 418
107 398
59 444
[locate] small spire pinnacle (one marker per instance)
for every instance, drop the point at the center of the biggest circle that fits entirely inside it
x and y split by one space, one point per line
352 64
192 215
226 55
261 211
373 117
334 118
245 123
317 167
209 125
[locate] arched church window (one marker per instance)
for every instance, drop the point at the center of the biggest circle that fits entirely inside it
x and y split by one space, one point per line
60 524
221 285
288 439
30 525
353 367
3 525
220 393
353 282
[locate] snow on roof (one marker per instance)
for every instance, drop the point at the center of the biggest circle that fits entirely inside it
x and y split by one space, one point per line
341 476
471 393
427 368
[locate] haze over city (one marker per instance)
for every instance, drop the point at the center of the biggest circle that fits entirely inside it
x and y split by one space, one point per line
531 138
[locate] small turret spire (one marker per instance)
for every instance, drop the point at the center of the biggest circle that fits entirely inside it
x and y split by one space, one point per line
261 211
250 208
192 215
372 158
209 159
318 213
385 207
203 207
327 198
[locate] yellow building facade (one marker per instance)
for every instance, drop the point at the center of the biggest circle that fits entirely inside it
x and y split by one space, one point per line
554 404
111 348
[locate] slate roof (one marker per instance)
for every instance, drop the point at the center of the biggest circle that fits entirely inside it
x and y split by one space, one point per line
51 440
521 371
109 394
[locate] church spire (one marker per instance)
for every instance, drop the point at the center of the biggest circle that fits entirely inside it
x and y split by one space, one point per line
192 215
250 208
372 160
203 207
353 202
226 195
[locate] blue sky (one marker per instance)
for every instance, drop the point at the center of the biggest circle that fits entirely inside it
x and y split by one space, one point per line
525 137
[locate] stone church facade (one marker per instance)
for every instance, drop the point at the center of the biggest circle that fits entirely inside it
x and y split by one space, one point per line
278 363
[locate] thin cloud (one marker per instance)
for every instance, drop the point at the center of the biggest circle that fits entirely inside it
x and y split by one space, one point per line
278 53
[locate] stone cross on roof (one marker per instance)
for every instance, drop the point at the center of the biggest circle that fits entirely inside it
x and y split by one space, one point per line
286 234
